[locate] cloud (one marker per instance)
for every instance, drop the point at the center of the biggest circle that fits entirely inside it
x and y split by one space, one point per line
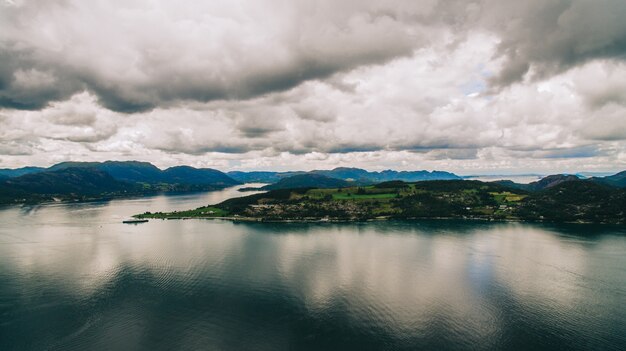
14 148
26 84
542 38
137 55
387 120
78 120
602 84
451 85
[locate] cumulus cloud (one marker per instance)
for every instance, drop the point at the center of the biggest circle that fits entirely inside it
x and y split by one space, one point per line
540 38
451 85
78 120
136 55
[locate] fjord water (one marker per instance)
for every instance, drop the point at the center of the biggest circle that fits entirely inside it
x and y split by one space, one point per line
73 277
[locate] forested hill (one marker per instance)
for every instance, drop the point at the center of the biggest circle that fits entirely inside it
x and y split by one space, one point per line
138 172
144 172
91 180
572 201
617 180
64 184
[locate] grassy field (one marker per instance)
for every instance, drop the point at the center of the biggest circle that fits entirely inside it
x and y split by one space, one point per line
350 196
358 193
505 196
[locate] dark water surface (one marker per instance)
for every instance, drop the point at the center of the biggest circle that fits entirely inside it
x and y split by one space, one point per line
73 277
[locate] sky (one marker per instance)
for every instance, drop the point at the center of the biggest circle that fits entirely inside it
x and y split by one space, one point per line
473 87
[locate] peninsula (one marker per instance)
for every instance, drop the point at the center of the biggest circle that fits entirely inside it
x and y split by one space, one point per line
565 200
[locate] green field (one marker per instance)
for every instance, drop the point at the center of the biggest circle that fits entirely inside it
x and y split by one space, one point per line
506 196
349 196
364 193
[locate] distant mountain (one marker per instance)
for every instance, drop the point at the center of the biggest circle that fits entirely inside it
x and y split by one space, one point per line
82 180
202 176
307 181
617 180
345 173
132 171
78 182
76 164
11 173
357 174
586 175
144 172
352 174
128 171
551 181
543 183
413 176
256 176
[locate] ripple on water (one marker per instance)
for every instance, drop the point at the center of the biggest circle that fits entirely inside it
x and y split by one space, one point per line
87 283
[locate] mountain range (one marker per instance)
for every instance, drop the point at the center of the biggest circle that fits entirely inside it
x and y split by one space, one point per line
144 172
348 174
308 180
91 180
617 180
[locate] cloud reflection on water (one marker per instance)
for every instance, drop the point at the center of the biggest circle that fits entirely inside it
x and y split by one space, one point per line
432 283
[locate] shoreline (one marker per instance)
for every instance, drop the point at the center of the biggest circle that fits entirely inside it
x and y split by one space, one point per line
377 219
107 198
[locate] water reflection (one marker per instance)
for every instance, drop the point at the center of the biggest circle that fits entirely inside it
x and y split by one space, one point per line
74 277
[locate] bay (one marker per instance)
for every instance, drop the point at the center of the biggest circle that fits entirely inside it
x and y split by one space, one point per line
73 277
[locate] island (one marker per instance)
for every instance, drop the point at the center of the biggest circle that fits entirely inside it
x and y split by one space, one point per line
571 200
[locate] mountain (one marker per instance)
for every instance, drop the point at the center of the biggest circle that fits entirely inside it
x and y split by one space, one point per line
82 180
68 181
346 173
75 182
413 176
543 183
144 172
357 174
202 176
255 177
551 181
576 201
351 174
617 180
128 171
307 181
11 173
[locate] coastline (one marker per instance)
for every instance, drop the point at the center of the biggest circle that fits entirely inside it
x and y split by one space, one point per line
376 219
128 196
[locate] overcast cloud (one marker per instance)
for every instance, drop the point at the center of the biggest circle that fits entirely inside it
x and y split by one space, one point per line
482 86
